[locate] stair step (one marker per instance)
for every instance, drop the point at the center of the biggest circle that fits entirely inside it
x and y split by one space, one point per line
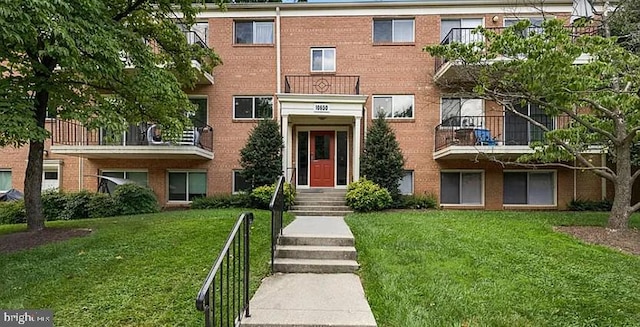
300 197
321 202
322 190
316 252
314 213
319 208
315 266
315 240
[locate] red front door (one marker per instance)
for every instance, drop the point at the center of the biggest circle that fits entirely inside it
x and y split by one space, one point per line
322 158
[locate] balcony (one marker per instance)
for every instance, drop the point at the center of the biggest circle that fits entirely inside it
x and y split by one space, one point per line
142 141
322 84
447 71
464 137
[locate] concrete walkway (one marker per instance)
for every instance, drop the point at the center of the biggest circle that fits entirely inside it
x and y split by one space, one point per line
294 299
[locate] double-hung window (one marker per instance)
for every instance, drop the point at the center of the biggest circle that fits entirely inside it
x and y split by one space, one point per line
461 188
529 188
459 30
252 107
253 32
457 112
5 180
393 30
393 106
187 185
323 60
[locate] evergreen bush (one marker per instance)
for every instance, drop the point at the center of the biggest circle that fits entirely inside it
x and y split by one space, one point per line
261 157
12 212
135 199
365 195
102 205
240 200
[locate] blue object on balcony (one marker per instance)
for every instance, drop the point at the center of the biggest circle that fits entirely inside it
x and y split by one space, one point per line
483 137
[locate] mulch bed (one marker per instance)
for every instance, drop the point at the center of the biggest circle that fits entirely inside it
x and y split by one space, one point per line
26 240
625 241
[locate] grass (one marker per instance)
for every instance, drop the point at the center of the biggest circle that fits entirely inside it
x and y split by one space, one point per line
140 270
481 268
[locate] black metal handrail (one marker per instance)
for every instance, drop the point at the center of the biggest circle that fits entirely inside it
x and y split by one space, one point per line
494 130
277 207
224 295
468 35
65 132
322 84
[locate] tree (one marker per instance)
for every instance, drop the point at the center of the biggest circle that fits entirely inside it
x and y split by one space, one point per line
61 57
625 23
571 73
382 161
261 157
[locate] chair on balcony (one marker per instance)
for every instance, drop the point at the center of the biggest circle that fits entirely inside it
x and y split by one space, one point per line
483 137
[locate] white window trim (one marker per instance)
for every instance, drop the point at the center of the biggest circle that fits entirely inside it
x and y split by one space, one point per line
413 105
253 106
11 174
253 32
50 165
413 31
187 186
482 188
555 188
484 113
335 60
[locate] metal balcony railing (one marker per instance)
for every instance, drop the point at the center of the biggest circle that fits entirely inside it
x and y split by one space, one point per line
322 84
494 130
194 37
468 35
64 132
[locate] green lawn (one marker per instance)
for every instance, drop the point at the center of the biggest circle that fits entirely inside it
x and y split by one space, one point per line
140 270
482 268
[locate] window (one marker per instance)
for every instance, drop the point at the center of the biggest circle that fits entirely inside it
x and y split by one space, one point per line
459 30
531 188
139 177
406 183
254 32
252 107
186 186
50 176
239 183
393 106
519 131
5 180
199 117
392 30
461 188
323 60
197 34
458 112
535 24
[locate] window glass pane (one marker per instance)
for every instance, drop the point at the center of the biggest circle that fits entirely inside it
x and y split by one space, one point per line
382 30
450 188
244 32
50 175
536 133
403 106
239 183
263 33
5 180
316 60
303 157
515 188
197 185
177 186
342 159
451 112
111 186
471 188
264 107
202 30
446 26
243 108
329 60
140 177
406 183
403 30
199 118
471 112
382 105
322 146
541 188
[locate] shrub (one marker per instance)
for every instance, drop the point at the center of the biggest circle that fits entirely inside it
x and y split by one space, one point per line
428 201
102 205
53 205
588 205
261 196
261 157
12 212
365 195
289 195
76 205
135 199
240 200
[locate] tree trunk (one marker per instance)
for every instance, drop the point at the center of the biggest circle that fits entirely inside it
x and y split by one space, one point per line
33 187
621 209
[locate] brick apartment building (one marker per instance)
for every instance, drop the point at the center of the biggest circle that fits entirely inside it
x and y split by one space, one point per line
323 70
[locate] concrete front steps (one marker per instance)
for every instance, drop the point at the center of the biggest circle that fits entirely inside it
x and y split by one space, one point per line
320 202
316 245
